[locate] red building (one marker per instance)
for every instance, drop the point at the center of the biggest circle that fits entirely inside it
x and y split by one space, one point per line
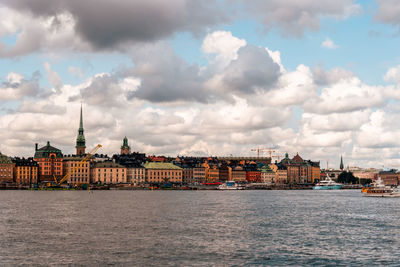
50 160
158 158
253 176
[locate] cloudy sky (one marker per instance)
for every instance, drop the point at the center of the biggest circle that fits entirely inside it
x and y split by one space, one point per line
194 77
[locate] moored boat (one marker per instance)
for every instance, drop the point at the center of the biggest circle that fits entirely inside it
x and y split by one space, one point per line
229 185
379 189
327 184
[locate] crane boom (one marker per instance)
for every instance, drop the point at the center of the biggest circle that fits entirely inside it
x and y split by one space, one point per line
86 158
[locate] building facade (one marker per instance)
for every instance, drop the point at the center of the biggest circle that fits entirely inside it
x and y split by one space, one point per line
108 172
136 175
50 161
238 174
281 174
212 173
163 172
301 171
187 173
253 176
6 169
390 177
199 174
25 171
267 175
79 175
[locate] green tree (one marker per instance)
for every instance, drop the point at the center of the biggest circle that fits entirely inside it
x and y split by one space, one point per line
347 178
365 181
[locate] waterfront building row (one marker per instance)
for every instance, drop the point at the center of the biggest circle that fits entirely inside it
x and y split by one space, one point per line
50 165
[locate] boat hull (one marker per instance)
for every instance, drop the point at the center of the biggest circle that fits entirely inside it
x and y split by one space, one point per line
327 187
381 195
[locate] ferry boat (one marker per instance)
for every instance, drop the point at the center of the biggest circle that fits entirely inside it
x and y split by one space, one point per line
229 185
327 184
379 189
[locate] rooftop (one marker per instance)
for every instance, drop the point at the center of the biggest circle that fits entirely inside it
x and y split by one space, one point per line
161 165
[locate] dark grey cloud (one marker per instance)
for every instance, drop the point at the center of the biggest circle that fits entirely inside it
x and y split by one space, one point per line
388 12
253 70
165 76
104 90
106 24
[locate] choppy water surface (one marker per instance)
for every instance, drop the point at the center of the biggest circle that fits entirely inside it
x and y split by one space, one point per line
202 228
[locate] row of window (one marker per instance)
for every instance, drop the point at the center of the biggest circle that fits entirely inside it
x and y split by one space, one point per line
111 170
49 168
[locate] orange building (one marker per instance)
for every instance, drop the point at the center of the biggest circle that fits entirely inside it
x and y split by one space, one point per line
212 173
50 161
25 171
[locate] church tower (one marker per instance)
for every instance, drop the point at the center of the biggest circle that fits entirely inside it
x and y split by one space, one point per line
341 163
80 140
125 148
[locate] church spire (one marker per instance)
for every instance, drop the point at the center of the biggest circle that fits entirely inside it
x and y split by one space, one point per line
81 121
80 140
341 163
125 148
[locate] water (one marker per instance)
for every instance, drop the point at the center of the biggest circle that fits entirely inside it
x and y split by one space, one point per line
198 228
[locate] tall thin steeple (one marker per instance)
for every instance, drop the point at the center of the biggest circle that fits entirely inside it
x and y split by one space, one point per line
341 163
80 140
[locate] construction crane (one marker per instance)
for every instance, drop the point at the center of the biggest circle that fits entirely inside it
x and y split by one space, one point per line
258 151
270 151
73 170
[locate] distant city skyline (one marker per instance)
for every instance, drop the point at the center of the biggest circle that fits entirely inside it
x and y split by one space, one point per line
203 78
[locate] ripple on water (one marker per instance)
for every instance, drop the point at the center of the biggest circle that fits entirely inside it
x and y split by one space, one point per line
170 228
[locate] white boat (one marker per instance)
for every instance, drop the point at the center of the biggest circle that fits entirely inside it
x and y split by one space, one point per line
327 184
229 185
379 189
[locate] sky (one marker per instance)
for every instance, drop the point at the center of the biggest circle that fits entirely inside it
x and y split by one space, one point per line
204 78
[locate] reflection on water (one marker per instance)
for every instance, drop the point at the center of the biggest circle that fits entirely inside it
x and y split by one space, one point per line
202 228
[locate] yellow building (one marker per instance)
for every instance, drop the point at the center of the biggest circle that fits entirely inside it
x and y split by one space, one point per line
162 172
81 175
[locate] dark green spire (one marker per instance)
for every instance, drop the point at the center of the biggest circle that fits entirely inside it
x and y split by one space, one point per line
80 140
341 163
125 149
125 143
